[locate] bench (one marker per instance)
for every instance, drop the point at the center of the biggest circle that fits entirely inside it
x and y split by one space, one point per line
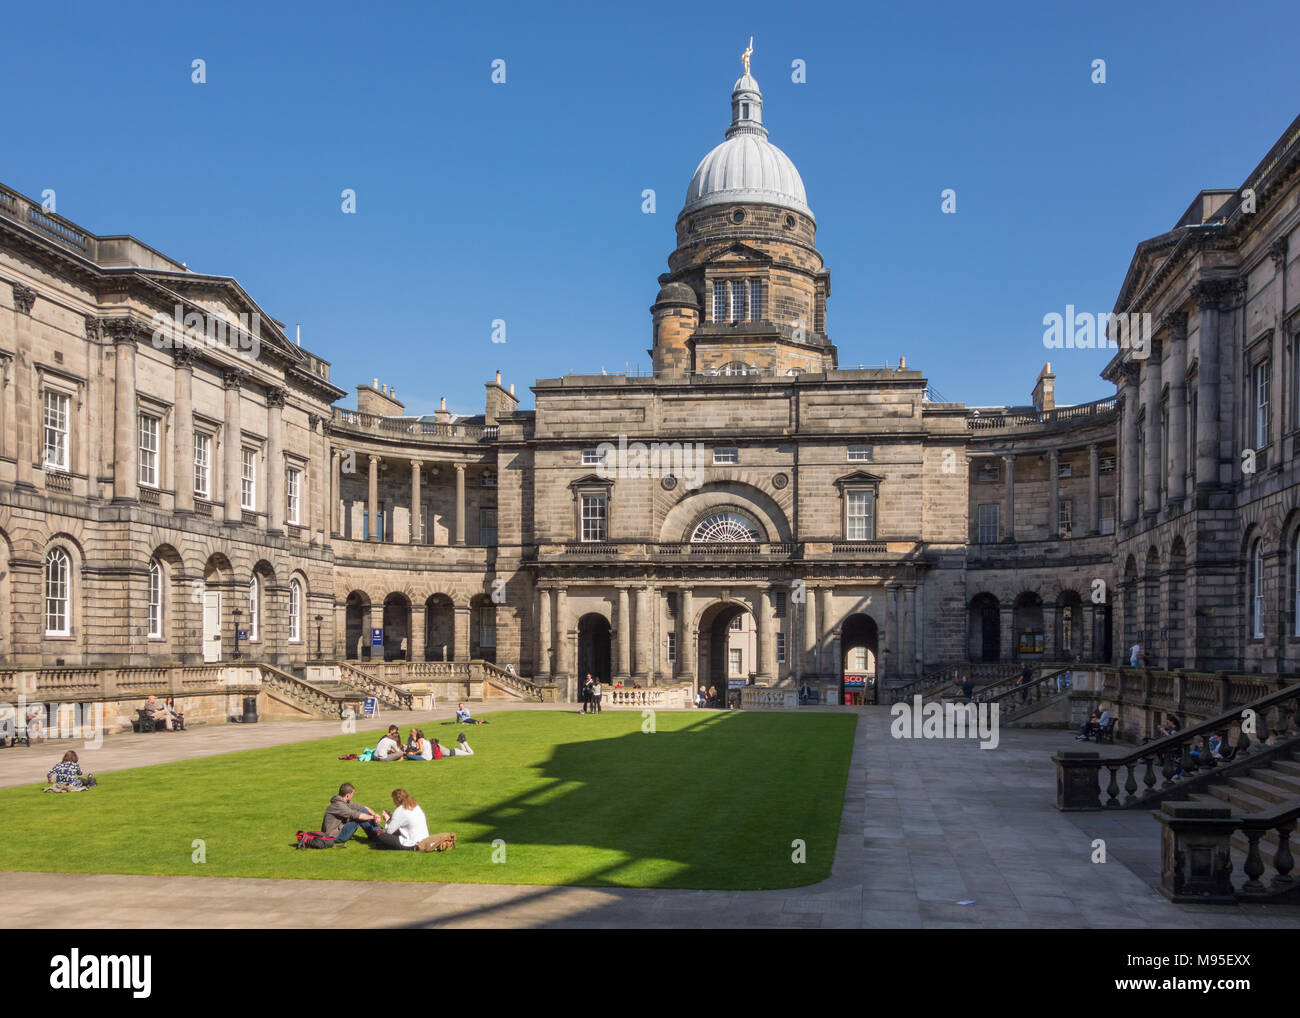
144 722
1105 733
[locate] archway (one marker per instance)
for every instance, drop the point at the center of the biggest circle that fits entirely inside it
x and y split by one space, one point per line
1028 622
984 629
593 648
439 629
397 628
483 629
859 639
1128 595
1069 625
357 627
728 651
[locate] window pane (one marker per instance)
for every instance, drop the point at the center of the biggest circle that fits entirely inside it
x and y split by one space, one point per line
755 300
56 430
248 479
593 517
148 464
202 452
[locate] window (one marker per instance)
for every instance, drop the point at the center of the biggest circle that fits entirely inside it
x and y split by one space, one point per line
592 458
57 593
755 300
859 454
292 481
719 300
736 661
487 528
780 648
147 472
1260 404
860 524
202 465
1257 590
725 528
738 624
487 626
593 517
987 473
672 604
726 456
1142 461
988 524
155 599
672 648
1106 464
379 524
248 479
779 603
295 611
1106 510
1191 437
1065 470
858 660
1065 517
56 430
254 607
738 300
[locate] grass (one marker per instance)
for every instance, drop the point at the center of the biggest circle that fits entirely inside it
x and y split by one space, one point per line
707 801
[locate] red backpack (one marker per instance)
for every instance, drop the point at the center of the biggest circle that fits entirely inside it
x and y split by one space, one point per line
314 839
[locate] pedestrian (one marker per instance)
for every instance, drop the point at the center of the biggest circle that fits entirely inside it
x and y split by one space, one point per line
1136 655
584 695
595 696
1026 676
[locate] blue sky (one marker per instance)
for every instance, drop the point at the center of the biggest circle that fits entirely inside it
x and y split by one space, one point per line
522 201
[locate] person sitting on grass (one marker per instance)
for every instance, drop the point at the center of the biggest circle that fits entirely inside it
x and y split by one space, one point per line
423 749
67 772
462 716
342 818
388 749
406 827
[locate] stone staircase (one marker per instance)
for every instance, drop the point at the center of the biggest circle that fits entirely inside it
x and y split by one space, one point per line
1262 789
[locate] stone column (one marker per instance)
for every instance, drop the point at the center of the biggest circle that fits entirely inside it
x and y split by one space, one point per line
461 621
793 649
1094 490
1210 296
623 637
415 500
809 610
334 492
1010 460
372 500
544 633
125 438
318 483
232 444
1129 444
182 430
918 624
1278 398
1176 482
766 672
1054 495
687 654
1150 386
419 627
563 667
830 665
460 504
642 672
275 508
29 404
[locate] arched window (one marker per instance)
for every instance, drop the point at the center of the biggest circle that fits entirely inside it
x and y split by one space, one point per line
254 607
155 599
58 600
295 611
1256 606
725 528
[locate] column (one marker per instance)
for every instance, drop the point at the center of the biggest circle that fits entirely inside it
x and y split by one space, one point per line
642 635
125 439
1150 386
1209 296
419 628
318 483
415 500
1281 413
334 491
544 633
1010 460
809 650
275 507
460 504
182 430
372 500
1176 482
29 403
1129 444
563 668
1054 494
766 670
687 654
623 636
830 663
918 622
232 444
1094 490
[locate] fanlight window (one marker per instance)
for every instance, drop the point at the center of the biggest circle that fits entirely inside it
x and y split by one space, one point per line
725 528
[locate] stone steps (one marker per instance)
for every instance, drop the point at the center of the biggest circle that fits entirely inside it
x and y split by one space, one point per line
1261 790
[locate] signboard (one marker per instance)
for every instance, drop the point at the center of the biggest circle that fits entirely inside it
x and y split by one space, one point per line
853 683
241 634
737 683
376 637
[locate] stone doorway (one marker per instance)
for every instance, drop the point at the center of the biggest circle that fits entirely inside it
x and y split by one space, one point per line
593 649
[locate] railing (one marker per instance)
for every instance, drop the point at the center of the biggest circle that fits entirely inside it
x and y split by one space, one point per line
654 698
1273 717
939 680
766 698
413 426
372 685
303 694
511 681
859 547
998 418
1014 700
57 480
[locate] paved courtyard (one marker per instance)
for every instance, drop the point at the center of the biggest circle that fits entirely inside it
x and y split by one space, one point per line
934 834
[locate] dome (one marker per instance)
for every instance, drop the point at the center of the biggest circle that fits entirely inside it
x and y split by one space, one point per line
677 293
746 167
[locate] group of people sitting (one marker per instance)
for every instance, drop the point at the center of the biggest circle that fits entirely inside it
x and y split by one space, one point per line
406 828
1095 724
709 698
418 747
163 712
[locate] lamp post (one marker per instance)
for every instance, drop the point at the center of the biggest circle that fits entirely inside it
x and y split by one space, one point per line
237 613
319 620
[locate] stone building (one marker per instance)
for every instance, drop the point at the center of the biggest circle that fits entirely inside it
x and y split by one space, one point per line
178 485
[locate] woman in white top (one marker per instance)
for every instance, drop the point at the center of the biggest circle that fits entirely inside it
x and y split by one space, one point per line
406 827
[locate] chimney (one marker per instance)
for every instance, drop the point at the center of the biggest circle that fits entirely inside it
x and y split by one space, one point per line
1045 389
902 363
372 399
498 401
443 416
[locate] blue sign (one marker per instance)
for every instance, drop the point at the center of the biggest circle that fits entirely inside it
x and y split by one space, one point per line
376 637
241 634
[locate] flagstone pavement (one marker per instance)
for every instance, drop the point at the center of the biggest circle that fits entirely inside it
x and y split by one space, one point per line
934 834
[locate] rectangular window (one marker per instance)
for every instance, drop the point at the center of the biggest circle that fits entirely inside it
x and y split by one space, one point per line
1065 517
56 430
292 482
672 648
487 528
202 465
1260 378
755 300
738 624
988 523
719 300
593 517
779 603
1065 470
1106 510
987 473
737 300
147 471
859 454
487 627
365 524
780 648
248 479
726 456
860 525
592 458
736 661
1106 465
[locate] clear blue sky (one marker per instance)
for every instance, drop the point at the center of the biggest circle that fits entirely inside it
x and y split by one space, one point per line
523 201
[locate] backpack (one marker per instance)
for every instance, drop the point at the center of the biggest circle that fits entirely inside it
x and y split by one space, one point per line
314 839
437 843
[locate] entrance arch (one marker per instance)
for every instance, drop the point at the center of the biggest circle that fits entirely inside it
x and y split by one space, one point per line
357 627
439 629
859 642
1028 627
397 628
984 631
593 647
728 649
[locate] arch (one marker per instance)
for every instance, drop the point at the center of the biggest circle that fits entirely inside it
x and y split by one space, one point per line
984 628
1254 602
720 496
294 607
1070 630
482 628
58 591
728 526
356 626
397 627
594 647
217 569
728 647
439 628
1027 624
859 645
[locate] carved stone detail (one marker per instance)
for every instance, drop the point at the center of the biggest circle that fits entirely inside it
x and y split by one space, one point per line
233 378
120 330
24 298
275 396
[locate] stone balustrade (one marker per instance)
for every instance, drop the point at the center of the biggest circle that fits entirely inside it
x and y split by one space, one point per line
650 698
768 698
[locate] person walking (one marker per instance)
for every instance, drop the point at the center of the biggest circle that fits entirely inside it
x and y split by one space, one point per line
1136 655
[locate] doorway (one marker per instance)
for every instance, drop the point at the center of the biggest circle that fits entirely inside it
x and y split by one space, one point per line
593 648
211 626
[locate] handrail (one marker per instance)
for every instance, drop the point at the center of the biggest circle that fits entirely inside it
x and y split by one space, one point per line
374 685
939 679
322 701
1019 699
511 680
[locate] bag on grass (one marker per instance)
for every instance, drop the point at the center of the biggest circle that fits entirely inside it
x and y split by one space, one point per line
367 755
314 839
437 843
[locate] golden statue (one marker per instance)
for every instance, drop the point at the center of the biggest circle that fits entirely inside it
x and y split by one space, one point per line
744 57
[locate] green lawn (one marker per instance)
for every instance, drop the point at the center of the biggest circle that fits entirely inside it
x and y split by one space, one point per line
708 801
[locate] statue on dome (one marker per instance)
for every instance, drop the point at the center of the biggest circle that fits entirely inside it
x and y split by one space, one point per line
744 57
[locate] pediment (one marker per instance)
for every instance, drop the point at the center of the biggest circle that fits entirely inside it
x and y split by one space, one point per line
737 253
856 479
